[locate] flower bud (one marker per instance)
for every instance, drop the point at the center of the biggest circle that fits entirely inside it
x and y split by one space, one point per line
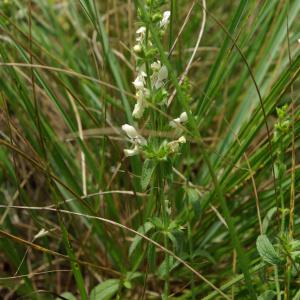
156 17
137 48
182 140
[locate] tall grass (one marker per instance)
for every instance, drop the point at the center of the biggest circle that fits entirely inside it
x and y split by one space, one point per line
201 201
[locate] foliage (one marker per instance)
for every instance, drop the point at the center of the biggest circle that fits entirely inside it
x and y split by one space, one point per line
128 173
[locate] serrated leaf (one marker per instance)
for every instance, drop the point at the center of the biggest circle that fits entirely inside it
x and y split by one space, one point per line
147 171
105 290
267 251
137 239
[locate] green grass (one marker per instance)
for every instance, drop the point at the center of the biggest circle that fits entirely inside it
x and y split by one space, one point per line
215 217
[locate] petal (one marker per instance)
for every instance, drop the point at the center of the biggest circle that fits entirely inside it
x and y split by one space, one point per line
139 82
139 109
156 66
163 73
183 117
174 123
165 19
130 131
141 30
131 152
182 140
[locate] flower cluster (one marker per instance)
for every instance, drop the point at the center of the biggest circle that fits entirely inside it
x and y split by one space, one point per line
142 93
150 87
157 73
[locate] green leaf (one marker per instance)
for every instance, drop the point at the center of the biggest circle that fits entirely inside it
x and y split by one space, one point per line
297 296
147 172
295 245
75 267
267 295
267 251
295 255
137 239
67 295
194 200
204 254
166 266
268 218
151 255
105 290
127 284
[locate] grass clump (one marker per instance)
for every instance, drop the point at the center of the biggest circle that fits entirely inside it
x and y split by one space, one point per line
149 149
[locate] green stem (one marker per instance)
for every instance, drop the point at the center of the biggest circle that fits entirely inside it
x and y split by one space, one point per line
165 217
277 283
191 257
287 279
280 179
167 279
172 9
242 257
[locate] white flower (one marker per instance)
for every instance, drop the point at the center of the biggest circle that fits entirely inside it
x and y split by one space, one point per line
139 82
175 122
156 66
174 145
133 135
181 119
141 104
41 233
163 73
141 32
182 140
132 152
136 139
130 131
160 74
165 20
139 109
137 48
